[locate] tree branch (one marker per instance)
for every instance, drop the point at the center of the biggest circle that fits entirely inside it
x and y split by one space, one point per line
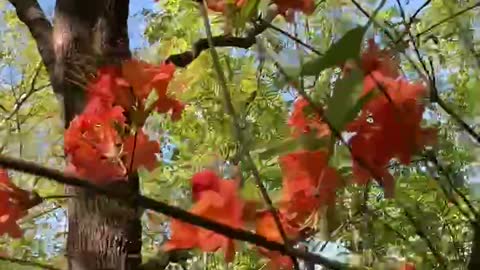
166 209
447 19
32 15
184 59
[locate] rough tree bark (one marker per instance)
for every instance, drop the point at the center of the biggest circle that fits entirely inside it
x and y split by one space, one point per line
103 234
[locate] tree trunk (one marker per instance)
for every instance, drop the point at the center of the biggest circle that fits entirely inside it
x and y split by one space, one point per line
103 234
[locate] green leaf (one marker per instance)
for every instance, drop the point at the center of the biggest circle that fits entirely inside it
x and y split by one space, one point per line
284 146
346 100
305 141
311 142
250 192
248 11
348 47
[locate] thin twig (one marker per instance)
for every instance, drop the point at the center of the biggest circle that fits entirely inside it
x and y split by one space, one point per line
184 59
447 19
41 213
415 14
439 166
297 40
440 260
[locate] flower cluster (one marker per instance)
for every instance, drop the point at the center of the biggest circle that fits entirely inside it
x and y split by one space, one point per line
388 127
101 144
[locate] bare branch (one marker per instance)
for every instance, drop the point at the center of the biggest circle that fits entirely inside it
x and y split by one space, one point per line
185 58
32 15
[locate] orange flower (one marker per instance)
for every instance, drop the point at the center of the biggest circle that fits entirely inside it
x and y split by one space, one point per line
14 204
285 6
407 266
266 227
144 77
141 150
212 205
219 5
304 122
129 87
374 60
389 124
388 127
308 183
204 181
167 104
93 145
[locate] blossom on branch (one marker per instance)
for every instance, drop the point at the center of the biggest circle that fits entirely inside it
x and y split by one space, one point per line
304 120
222 205
14 203
308 184
389 124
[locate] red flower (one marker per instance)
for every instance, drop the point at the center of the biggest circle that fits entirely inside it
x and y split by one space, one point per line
285 6
204 181
388 127
212 205
219 5
93 145
141 150
407 266
167 104
14 203
308 183
266 227
129 87
374 60
105 91
304 122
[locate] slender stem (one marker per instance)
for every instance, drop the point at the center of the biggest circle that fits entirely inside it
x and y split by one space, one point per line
459 120
285 33
447 19
424 5
134 148
440 260
227 100
452 185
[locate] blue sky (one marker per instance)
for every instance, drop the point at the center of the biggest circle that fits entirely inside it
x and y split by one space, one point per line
136 21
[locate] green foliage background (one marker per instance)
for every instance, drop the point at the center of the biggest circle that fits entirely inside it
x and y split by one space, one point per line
391 230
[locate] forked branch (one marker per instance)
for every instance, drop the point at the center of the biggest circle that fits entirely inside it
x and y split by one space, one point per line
185 58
